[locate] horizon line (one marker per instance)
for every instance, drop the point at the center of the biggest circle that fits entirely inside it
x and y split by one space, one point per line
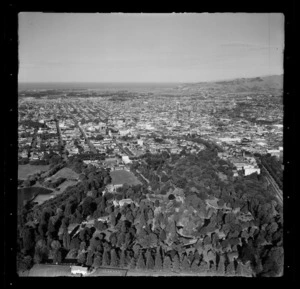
125 82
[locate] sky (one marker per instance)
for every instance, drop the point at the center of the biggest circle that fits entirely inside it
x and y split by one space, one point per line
117 47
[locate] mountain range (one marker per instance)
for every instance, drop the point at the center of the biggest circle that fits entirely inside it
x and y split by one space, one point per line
272 84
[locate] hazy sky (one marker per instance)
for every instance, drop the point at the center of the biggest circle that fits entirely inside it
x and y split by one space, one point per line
148 47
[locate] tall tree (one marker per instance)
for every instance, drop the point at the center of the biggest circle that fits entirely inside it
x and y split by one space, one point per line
75 243
203 267
41 252
97 260
230 270
238 271
113 239
57 256
162 235
221 266
51 229
105 259
149 261
28 239
158 259
82 246
81 258
141 262
113 258
89 258
213 268
122 263
120 239
94 242
43 228
66 239
132 263
113 221
136 250
176 263
167 264
194 266
185 265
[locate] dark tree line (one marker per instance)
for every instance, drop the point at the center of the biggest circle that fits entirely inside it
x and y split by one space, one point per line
133 235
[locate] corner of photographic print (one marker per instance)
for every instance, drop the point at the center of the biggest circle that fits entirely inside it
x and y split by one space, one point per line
150 144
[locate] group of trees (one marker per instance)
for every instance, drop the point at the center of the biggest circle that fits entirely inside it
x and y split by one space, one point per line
137 236
243 193
32 124
54 184
98 137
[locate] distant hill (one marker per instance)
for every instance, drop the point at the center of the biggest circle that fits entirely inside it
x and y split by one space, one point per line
272 84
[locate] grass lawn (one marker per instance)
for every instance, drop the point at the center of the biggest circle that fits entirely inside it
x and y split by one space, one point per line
110 161
65 173
108 272
25 170
43 198
42 270
122 177
62 187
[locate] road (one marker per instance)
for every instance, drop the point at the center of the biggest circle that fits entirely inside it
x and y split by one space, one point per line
33 142
122 149
64 153
90 144
142 176
277 190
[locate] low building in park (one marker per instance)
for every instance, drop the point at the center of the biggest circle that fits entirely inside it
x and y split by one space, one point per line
75 270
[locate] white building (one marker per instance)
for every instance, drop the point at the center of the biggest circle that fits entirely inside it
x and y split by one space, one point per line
117 186
79 270
110 188
235 173
275 153
124 132
90 128
126 159
251 170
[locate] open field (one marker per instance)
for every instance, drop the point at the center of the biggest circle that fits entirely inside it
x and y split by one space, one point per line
62 187
45 270
122 177
108 272
25 170
43 198
171 273
64 173
110 161
49 271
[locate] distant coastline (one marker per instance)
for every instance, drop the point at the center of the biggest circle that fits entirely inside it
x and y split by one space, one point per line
95 85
